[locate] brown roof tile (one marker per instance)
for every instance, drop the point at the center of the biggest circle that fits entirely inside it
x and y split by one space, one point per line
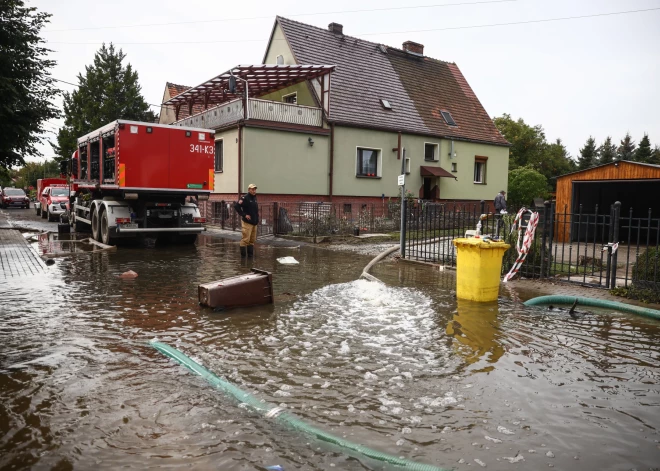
418 88
175 90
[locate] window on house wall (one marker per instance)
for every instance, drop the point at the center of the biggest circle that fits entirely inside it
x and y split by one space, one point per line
430 151
454 167
480 169
407 165
368 162
290 98
280 60
219 155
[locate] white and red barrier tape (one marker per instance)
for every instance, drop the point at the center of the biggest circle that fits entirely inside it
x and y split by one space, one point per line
523 249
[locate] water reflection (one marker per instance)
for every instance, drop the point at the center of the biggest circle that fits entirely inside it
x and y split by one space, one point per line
475 329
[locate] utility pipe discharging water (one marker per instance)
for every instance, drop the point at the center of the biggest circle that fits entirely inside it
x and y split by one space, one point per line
271 411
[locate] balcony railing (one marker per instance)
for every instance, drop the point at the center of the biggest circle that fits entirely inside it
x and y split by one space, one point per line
285 113
217 117
233 111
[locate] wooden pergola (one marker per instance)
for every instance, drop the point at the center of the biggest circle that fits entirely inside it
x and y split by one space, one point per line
257 80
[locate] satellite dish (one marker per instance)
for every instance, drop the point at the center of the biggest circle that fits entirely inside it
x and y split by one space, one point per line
232 84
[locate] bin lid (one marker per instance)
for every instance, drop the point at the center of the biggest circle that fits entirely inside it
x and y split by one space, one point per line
480 243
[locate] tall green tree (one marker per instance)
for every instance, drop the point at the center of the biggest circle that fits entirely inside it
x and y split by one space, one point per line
643 152
626 150
527 142
26 87
108 91
588 154
607 151
557 161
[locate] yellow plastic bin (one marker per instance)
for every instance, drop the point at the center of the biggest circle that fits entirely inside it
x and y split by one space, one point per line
478 268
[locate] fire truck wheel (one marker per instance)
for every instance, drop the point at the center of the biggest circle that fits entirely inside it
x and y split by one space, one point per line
96 227
105 230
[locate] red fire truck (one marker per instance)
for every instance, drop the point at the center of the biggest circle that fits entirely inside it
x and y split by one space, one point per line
131 178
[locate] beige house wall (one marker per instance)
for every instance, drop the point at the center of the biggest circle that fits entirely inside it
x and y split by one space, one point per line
167 114
346 183
304 96
283 162
227 180
279 46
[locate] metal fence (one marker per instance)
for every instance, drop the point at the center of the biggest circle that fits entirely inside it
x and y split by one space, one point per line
314 219
602 249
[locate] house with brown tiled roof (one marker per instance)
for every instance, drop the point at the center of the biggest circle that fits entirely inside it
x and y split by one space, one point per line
330 117
167 114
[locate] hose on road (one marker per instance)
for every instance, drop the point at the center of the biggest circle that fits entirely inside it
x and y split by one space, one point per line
271 411
602 303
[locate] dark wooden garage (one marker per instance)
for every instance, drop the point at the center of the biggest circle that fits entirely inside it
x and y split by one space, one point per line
636 185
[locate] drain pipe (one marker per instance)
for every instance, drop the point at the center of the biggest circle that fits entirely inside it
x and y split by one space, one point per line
271 411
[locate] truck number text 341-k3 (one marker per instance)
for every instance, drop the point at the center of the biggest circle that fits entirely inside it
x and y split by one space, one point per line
201 149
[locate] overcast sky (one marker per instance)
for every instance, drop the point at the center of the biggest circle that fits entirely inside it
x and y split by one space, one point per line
596 76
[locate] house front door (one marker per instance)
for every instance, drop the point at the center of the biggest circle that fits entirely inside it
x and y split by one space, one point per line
428 184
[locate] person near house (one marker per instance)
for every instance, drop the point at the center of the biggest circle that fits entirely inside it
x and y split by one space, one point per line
248 209
500 209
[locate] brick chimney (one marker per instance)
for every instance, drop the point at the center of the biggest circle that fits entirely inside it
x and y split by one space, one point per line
415 48
336 28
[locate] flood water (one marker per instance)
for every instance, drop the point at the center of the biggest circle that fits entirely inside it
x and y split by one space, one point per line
403 368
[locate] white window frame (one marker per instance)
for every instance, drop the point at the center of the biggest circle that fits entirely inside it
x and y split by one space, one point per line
407 166
379 161
436 152
222 158
288 95
484 162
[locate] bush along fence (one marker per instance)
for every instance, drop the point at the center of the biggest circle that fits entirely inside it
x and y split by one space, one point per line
602 249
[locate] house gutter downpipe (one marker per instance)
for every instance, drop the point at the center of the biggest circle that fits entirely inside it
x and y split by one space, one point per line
403 204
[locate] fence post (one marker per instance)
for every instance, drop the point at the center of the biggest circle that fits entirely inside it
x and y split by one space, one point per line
404 214
544 235
276 218
615 239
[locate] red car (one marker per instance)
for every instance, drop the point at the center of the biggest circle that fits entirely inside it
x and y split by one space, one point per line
14 197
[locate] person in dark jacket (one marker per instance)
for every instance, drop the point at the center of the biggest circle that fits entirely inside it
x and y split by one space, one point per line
248 208
500 208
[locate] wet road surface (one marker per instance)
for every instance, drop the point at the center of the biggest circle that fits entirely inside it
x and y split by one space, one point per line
404 368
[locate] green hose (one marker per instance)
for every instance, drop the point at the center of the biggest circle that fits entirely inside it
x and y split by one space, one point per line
556 299
272 411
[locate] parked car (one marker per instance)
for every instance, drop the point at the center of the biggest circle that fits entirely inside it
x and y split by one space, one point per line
14 197
54 202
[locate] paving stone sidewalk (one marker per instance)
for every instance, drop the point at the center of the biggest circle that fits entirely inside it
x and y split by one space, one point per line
16 257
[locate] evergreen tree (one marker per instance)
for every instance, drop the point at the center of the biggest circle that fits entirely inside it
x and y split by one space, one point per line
556 161
655 156
588 154
108 91
626 149
26 86
643 152
607 151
